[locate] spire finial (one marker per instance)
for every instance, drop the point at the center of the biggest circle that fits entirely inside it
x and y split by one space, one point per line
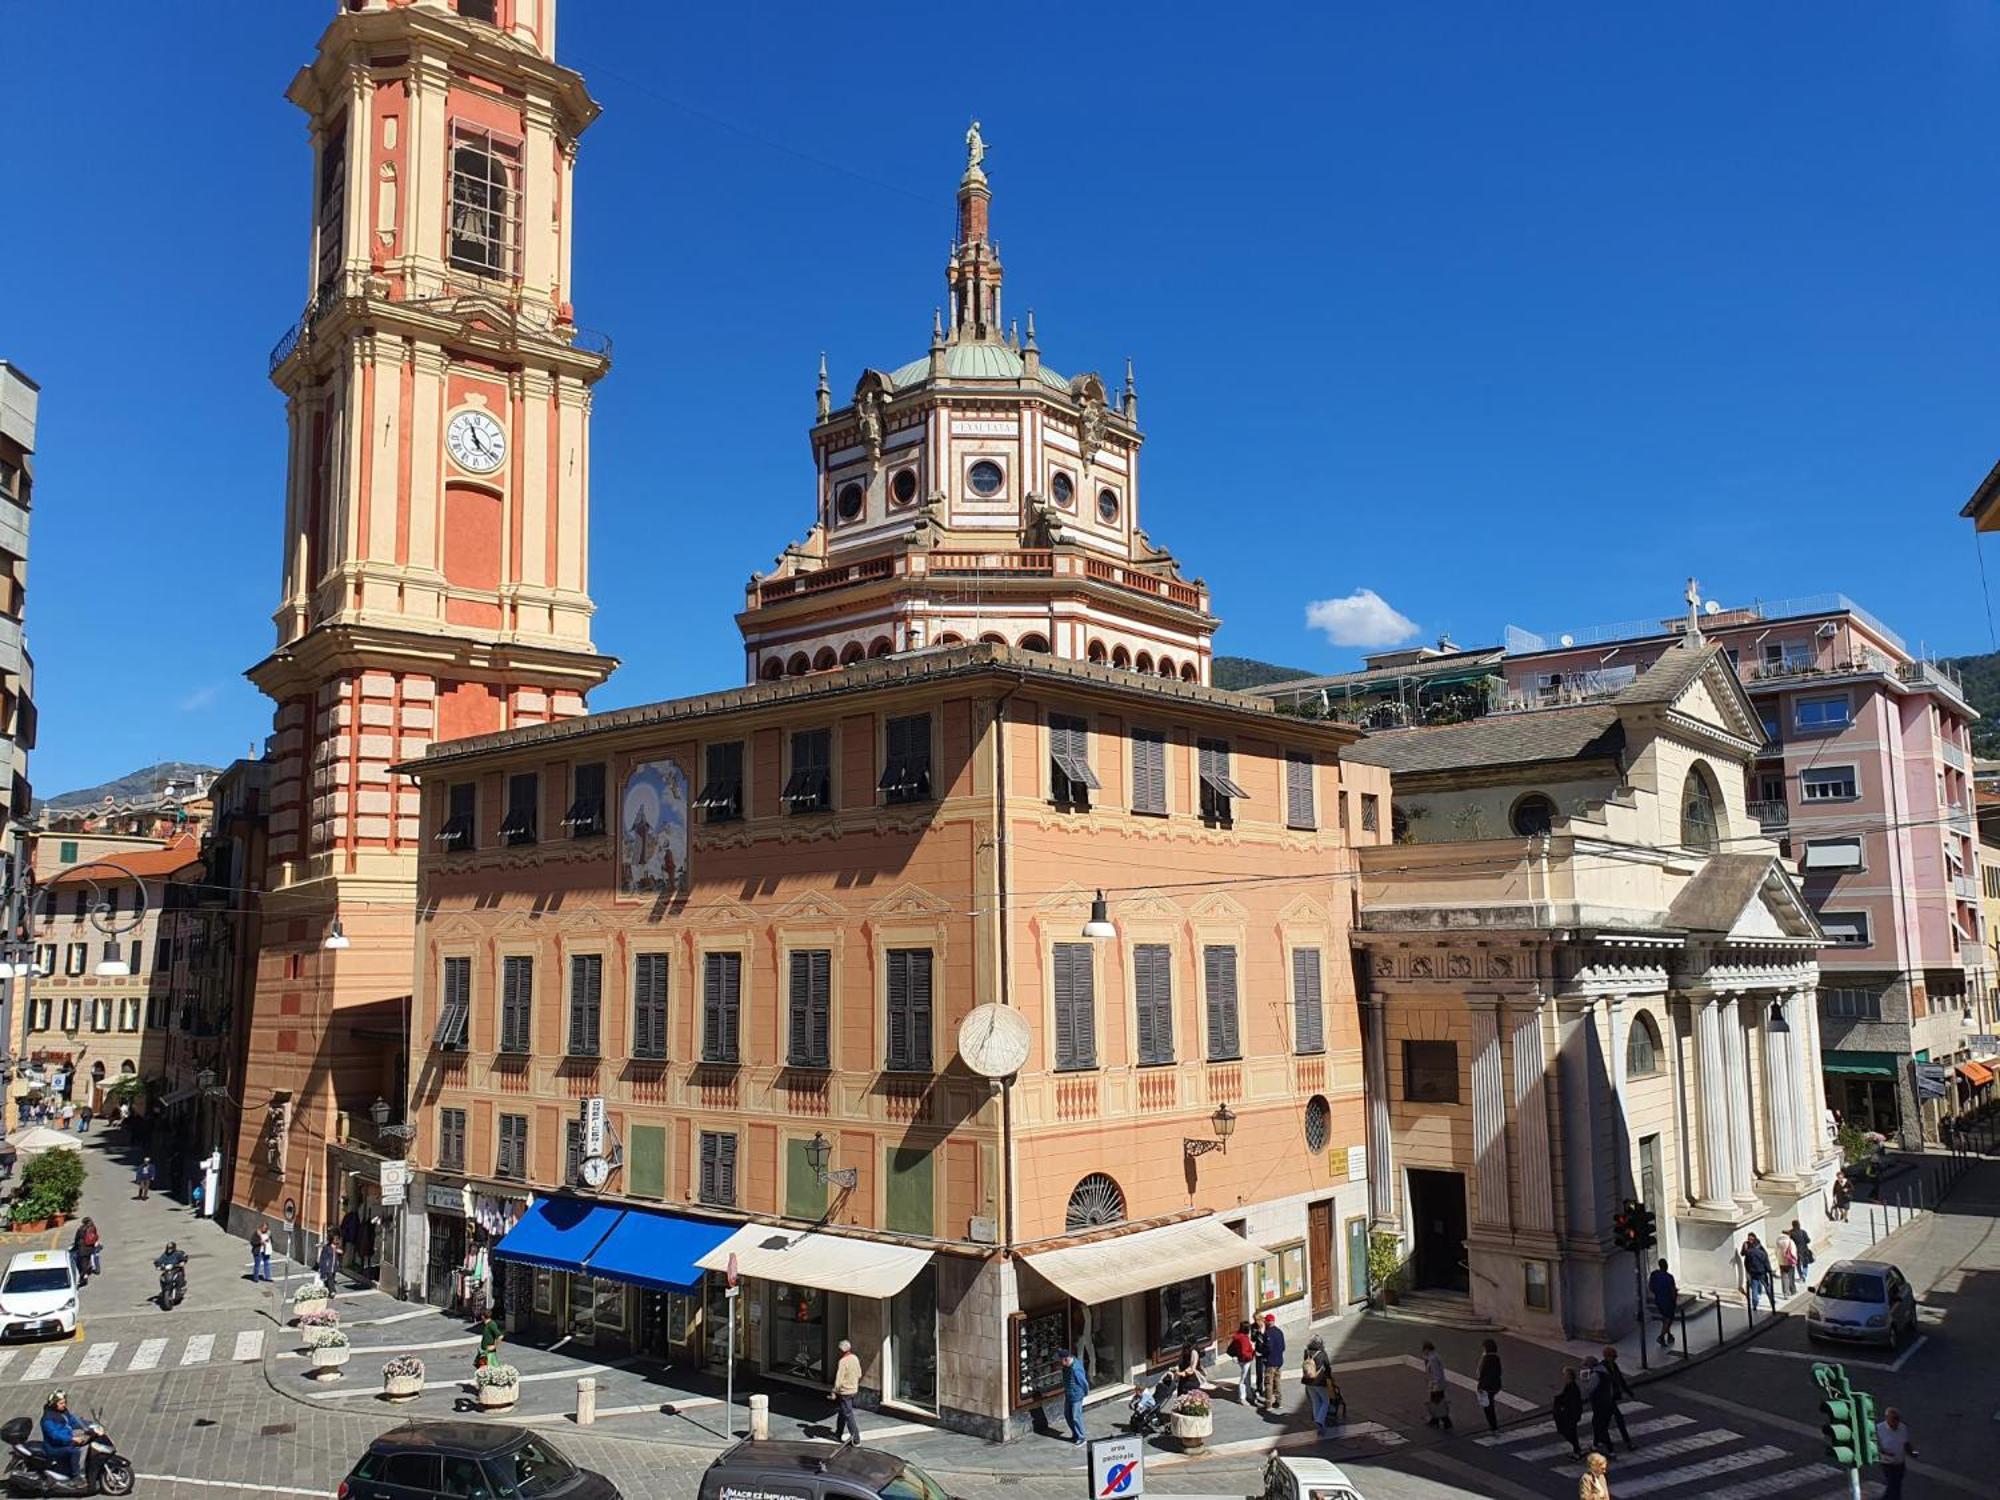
824 394
1131 400
1031 328
937 327
1014 334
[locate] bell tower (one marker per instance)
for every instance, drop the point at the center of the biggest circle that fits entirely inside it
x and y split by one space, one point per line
434 573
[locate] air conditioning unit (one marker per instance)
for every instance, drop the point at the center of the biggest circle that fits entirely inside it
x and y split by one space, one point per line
1548 682
1827 631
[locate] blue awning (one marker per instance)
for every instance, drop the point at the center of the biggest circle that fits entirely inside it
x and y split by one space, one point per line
558 1234
657 1250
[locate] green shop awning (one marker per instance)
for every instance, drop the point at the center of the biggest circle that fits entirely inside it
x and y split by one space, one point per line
1862 1064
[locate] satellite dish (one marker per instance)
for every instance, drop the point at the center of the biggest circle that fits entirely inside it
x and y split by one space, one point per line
1566 640
1711 608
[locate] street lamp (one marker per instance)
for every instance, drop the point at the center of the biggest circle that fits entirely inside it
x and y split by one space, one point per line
379 1112
1223 1123
1099 925
819 1150
336 939
1779 1025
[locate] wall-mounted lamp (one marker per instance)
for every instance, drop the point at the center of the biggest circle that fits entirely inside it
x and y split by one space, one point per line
819 1150
336 938
1223 1123
1779 1025
1099 925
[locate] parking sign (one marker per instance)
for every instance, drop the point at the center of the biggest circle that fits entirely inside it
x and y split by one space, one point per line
1117 1468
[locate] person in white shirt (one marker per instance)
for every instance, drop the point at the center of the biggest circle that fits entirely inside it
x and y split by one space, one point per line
1892 1437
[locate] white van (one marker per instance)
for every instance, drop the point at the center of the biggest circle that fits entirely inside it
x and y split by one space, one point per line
38 1295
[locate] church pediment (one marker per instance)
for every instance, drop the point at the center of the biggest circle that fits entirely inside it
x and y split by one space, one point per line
1746 898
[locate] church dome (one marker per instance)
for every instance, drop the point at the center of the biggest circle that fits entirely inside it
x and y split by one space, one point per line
982 360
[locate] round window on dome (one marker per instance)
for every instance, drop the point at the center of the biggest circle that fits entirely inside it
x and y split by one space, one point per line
1063 488
985 478
903 486
1107 506
847 504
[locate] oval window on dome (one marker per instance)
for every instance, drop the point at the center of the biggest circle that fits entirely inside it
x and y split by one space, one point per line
1107 506
1063 488
903 486
985 477
847 504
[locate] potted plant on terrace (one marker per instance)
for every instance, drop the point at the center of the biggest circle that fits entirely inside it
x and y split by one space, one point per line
499 1386
1192 1420
309 1297
315 1327
403 1377
329 1350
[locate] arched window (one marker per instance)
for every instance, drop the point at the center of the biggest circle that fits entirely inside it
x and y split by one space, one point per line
990 639
1097 1200
772 669
1034 643
1643 1054
1143 662
881 646
97 1071
850 653
484 214
1698 800
1122 659
128 1066
823 659
1097 652
1188 672
798 666
1533 814
1166 666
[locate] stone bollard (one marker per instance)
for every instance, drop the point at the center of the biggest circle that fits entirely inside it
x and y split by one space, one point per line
760 1418
586 1400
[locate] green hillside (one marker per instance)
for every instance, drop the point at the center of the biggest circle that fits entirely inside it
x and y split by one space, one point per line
1982 686
1239 672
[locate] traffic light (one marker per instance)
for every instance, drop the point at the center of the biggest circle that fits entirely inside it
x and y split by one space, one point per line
1840 1427
1633 1226
1864 1421
1645 1227
1622 1228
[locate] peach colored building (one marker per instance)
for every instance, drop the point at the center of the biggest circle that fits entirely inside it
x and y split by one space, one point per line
433 581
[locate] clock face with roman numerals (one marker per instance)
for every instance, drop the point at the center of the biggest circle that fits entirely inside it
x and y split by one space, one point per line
476 442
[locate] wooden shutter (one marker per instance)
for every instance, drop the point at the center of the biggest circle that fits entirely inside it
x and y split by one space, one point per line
899 1009
517 984
799 1031
649 1005
586 1004
732 1003
1219 972
917 963
1152 985
1309 1017
712 1007
1299 791
1149 771
1076 1030
710 1150
725 1169
810 1004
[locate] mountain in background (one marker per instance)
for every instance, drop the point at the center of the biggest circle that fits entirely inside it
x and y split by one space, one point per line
1239 672
1982 690
141 783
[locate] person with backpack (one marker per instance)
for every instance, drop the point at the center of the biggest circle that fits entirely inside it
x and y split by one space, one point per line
1316 1371
83 1251
1488 1383
1788 1265
1243 1349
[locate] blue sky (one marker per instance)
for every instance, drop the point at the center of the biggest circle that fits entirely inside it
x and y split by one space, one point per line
1505 313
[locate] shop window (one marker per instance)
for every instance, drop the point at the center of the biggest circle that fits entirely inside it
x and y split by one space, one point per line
1179 1315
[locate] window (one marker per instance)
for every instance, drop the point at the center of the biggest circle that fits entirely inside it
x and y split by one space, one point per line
1534 814
332 199
1107 506
1218 790
517 998
1833 854
461 819
903 486
718 1168
1095 1201
44 1011
100 1015
1430 1072
1821 714
451 1140
138 959
45 953
910 1009
1062 488
1218 983
1535 1284
1845 929
1299 810
810 786
1071 781
1371 813
1771 788
523 790
721 799
1076 1006
906 759
1828 784
1698 801
1850 1003
721 1006
72 1013
811 1007
512 1158
1308 1002
128 1015
848 503
572 1153
1319 1123
585 817
484 217
649 1007
1773 726
985 478
1153 993
75 956
1786 656
1149 772
455 1005
66 852
586 1003
1642 1048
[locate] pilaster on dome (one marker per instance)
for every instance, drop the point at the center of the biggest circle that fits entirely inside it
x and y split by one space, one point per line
972 274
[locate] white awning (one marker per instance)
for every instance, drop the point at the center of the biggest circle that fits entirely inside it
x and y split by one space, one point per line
831 1262
1104 1270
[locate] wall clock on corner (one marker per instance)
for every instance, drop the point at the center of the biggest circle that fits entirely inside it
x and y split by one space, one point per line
476 442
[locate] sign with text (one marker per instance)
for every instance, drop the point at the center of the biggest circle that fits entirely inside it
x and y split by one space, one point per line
592 1118
1117 1468
1357 1163
395 1183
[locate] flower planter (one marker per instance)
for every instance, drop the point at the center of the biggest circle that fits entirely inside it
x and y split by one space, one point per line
309 1305
402 1387
498 1397
329 1357
1191 1431
320 1336
30 1226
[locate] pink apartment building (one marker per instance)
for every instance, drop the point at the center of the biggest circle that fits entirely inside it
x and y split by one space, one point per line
1866 779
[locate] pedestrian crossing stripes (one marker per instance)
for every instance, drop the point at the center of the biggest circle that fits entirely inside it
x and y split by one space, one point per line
1638 1429
1727 1463
109 1357
1538 1429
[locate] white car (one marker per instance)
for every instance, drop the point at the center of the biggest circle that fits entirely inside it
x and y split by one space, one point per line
1863 1302
1306 1479
38 1295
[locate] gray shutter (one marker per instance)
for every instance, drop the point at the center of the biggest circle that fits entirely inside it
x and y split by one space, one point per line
1299 791
1219 971
732 1003
1309 1025
1152 984
1076 1031
709 1154
725 1168
1065 1008
899 1008
1149 771
822 1006
800 1050
711 1007
919 960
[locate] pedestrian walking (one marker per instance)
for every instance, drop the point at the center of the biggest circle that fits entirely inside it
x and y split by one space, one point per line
329 1262
83 1120
1621 1390
195 1197
1243 1349
1316 1374
144 1177
1892 1438
1594 1485
1843 1194
260 1254
1596 1387
1567 1410
1488 1383
1274 1361
490 1334
1788 1265
1076 1385
1757 1273
83 1251
1435 1387
1803 1241
846 1385
1666 1295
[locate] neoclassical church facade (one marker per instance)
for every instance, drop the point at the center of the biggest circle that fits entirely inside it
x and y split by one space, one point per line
1588 978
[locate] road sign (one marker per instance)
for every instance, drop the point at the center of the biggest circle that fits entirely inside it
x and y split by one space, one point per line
1117 1468
395 1183
291 1211
1930 1080
730 1274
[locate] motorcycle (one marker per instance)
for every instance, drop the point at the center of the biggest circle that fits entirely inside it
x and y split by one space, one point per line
173 1280
30 1470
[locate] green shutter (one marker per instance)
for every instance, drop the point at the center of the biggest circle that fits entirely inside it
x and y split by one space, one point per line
909 1191
646 1160
805 1194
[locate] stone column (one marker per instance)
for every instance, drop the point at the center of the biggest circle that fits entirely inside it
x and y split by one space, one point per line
1780 1106
1489 1114
1531 1121
1737 1099
1381 1163
1809 1074
1712 1113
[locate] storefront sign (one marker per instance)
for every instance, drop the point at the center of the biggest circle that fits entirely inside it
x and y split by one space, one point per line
395 1183
591 1118
1984 1043
1117 1467
443 1198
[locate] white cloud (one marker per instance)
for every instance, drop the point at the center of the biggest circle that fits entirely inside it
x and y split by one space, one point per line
1363 618
201 698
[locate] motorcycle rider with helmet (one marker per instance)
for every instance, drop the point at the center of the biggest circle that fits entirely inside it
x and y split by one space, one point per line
173 1274
65 1435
